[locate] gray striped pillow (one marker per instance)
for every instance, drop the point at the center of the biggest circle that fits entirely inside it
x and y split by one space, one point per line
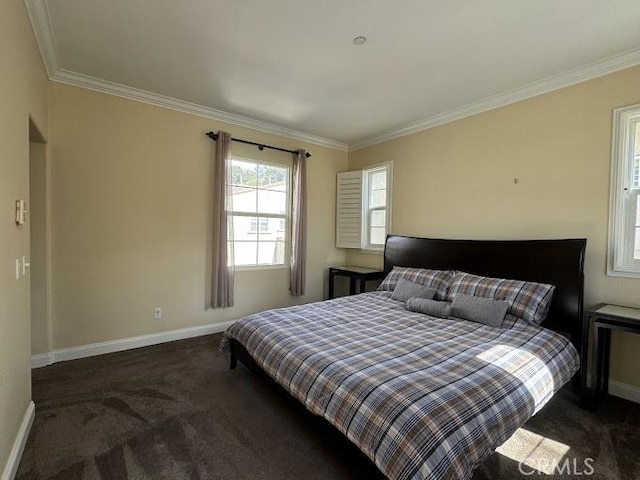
478 309
429 307
406 289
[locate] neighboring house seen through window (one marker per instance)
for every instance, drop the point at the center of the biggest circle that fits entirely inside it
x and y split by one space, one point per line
260 213
624 234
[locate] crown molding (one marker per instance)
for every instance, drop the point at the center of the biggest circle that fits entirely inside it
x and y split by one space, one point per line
131 93
593 70
38 11
41 21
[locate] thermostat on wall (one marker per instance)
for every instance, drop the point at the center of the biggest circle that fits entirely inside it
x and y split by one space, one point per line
21 212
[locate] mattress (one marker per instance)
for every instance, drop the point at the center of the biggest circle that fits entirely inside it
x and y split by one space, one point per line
422 397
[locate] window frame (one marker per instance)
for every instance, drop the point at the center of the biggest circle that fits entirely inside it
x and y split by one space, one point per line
366 245
286 217
620 261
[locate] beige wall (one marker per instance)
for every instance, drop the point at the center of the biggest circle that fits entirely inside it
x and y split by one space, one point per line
22 93
131 203
457 181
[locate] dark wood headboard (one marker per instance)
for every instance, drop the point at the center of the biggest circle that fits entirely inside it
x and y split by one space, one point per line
558 262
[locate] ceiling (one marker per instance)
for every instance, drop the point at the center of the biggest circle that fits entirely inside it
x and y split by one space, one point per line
290 66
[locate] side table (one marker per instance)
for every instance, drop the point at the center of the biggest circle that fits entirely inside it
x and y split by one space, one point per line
605 318
361 274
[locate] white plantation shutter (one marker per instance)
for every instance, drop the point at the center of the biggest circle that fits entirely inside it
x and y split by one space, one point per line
349 210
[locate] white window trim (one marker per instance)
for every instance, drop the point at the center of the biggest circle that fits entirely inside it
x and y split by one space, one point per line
248 268
620 262
287 216
365 246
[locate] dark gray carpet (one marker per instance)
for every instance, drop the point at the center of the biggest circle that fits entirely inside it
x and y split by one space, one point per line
175 411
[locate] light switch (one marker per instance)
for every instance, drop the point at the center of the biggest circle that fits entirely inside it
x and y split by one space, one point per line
25 265
21 212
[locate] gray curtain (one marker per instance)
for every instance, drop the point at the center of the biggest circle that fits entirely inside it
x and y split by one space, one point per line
223 271
299 227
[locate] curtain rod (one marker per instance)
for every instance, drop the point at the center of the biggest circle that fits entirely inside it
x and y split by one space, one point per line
261 146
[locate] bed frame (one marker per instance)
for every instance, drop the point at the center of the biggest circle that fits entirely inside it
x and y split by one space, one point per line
558 262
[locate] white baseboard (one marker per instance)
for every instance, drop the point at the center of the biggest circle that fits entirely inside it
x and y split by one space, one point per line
624 390
20 441
41 360
101 348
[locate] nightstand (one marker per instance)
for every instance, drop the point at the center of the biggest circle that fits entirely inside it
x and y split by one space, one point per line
362 274
605 318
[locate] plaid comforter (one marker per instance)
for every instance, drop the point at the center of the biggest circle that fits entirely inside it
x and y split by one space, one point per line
423 397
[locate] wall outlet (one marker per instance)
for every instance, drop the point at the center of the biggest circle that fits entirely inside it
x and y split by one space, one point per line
157 313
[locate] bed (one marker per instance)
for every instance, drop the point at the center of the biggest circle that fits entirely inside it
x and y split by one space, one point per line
426 397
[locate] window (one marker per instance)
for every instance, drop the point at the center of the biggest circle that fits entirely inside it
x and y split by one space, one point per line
624 230
260 213
375 211
363 207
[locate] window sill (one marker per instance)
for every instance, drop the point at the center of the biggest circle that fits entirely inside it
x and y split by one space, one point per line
623 273
251 268
372 251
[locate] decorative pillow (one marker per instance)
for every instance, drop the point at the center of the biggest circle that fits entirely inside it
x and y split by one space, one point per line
438 279
527 300
406 289
478 309
429 307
